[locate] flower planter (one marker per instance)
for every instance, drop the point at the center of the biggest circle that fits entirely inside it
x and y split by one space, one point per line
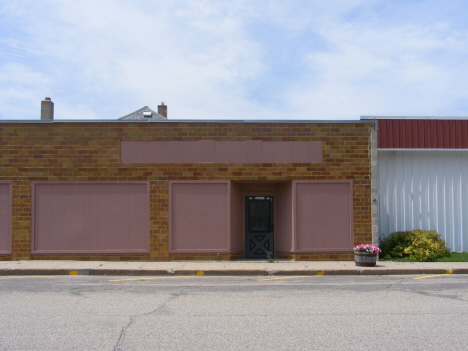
365 259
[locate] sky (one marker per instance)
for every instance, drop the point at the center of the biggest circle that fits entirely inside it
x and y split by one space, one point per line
228 60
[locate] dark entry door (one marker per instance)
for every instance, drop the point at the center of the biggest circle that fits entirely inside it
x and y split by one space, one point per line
259 227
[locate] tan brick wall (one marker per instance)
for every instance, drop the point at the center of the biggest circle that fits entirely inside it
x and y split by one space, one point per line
317 257
205 257
90 151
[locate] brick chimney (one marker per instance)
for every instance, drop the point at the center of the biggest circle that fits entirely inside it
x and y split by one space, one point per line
162 109
47 109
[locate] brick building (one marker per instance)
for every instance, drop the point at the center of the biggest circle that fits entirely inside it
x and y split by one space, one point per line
166 189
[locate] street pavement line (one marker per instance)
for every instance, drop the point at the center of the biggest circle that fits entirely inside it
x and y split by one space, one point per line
437 275
34 276
151 278
298 276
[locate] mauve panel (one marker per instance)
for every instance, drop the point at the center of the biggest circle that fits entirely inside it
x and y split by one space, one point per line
253 150
270 152
165 152
223 151
128 151
323 216
314 151
191 152
285 152
5 218
121 203
247 151
283 217
207 150
144 152
176 151
237 235
90 217
238 151
60 219
299 152
199 216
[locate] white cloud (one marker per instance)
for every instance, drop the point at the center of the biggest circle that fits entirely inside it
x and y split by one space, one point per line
230 60
77 112
401 70
20 87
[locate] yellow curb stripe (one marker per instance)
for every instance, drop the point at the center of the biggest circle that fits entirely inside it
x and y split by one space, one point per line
34 276
437 275
73 273
151 278
298 276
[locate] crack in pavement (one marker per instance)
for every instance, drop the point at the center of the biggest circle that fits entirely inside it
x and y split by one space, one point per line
454 296
119 343
122 334
172 298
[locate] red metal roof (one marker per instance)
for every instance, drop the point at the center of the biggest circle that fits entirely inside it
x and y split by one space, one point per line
422 134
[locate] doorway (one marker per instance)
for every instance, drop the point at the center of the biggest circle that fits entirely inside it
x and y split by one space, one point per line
259 227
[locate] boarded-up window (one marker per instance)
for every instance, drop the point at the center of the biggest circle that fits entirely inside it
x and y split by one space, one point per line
5 218
90 217
324 216
199 217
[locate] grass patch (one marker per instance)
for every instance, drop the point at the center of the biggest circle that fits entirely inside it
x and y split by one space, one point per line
454 257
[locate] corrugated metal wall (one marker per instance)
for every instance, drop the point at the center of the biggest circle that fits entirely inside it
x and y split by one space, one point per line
427 190
422 134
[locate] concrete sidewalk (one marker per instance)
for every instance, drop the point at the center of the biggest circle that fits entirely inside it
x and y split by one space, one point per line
225 268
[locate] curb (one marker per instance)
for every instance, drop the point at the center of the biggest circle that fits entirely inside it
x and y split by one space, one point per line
225 272
33 271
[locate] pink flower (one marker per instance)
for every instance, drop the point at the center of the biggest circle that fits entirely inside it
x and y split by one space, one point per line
367 248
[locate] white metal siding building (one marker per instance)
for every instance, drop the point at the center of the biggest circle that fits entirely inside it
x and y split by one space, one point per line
423 176
425 189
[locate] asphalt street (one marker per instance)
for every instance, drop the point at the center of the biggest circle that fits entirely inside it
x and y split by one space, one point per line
409 312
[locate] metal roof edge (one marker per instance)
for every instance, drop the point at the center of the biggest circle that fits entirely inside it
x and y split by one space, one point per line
344 121
418 149
414 117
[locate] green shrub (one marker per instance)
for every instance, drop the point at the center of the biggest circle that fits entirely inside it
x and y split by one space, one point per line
416 245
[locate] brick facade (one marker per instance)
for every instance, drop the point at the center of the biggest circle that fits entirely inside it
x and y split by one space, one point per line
90 151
